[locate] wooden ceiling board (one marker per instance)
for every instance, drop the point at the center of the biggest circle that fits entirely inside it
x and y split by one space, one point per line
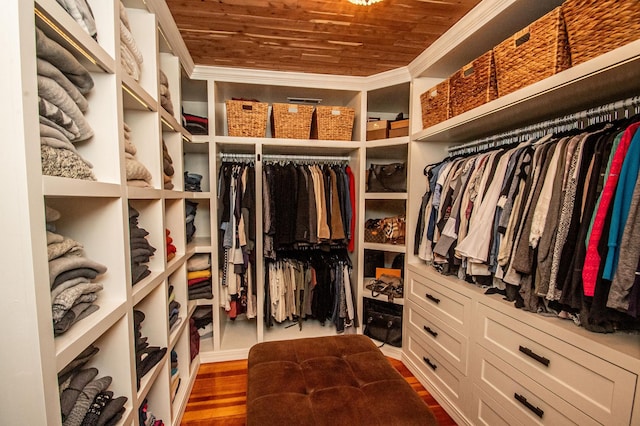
313 36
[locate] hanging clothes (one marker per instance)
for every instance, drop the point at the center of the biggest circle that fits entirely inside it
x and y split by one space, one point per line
237 238
538 223
305 284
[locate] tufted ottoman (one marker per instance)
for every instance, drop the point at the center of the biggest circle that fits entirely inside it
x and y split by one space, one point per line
336 380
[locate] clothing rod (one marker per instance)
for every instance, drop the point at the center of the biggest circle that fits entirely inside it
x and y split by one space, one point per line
517 134
283 157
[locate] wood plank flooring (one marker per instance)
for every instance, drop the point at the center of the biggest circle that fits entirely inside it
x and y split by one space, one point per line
219 395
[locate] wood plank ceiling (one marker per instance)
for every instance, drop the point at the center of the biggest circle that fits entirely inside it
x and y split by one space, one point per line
313 36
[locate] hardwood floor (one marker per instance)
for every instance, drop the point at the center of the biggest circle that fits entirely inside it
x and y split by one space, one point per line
219 395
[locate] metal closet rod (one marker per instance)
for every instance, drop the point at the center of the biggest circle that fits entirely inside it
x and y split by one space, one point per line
567 122
284 157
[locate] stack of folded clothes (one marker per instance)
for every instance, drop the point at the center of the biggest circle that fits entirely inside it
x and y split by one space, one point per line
203 324
194 339
192 182
85 399
63 84
174 310
70 278
175 376
194 124
141 250
167 167
199 276
81 12
146 417
171 248
165 94
130 56
190 217
146 356
137 173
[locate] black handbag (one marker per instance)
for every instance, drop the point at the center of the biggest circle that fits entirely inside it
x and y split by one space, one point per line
387 177
383 322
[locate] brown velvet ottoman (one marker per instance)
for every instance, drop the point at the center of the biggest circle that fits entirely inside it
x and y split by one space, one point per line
336 380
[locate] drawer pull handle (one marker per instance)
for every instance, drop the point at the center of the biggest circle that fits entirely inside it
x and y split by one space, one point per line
535 410
432 298
430 331
429 363
542 360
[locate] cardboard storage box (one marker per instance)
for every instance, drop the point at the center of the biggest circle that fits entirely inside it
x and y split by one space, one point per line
377 129
399 128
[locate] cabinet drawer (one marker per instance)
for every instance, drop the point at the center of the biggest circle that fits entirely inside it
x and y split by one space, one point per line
596 387
450 306
487 412
438 372
521 397
443 339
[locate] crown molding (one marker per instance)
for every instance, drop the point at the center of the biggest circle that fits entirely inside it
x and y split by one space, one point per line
466 27
170 29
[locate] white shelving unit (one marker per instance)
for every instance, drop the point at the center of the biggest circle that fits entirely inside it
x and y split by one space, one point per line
94 213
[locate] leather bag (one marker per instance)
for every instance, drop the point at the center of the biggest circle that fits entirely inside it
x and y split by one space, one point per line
387 177
383 322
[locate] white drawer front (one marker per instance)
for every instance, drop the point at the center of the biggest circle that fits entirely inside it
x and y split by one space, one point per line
488 412
443 339
521 397
446 304
598 388
439 373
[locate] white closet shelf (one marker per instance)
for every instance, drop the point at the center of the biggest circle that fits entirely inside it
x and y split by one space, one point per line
606 78
395 248
85 332
385 196
377 143
61 27
172 194
199 245
288 143
135 97
150 378
175 263
136 193
188 195
142 288
175 334
195 365
382 298
55 186
199 138
169 122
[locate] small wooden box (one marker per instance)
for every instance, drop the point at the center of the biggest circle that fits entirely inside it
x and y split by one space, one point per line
377 129
399 128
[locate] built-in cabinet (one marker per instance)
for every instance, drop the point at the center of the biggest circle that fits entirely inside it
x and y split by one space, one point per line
484 360
96 214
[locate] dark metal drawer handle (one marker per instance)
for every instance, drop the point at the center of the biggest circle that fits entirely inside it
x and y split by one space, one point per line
535 410
430 331
432 298
429 363
542 360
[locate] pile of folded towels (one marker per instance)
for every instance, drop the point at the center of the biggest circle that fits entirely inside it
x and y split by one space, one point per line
130 56
81 12
141 250
71 276
84 398
63 83
167 167
137 173
199 276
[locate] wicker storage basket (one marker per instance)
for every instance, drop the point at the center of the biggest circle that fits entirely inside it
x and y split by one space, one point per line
533 54
291 121
247 118
595 27
473 85
332 123
435 104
